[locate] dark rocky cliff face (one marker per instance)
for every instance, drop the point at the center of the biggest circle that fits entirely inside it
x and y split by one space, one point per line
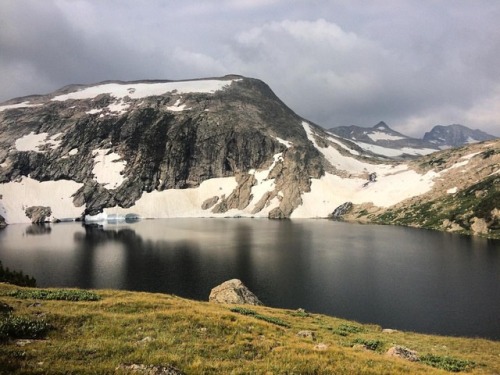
225 133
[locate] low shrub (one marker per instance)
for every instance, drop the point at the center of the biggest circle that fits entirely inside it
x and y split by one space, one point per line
447 363
346 329
369 344
56 294
17 327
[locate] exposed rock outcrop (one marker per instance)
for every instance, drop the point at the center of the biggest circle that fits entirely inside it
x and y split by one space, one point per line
210 202
341 210
479 225
402 352
233 292
38 214
3 224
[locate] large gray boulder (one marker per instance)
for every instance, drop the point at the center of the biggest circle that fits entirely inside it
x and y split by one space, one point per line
234 292
38 214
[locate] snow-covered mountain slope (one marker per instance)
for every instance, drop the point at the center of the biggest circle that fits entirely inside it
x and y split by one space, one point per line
383 141
448 136
220 147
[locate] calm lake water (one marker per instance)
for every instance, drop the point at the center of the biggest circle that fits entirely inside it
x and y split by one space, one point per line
400 278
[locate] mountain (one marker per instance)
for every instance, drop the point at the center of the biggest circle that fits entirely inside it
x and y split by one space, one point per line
218 147
447 136
383 141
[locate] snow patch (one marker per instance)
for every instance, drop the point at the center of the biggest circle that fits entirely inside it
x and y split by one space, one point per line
459 164
470 156
380 136
330 191
73 151
118 107
288 144
33 142
263 185
94 111
453 190
345 147
174 202
142 90
108 168
350 164
394 152
17 196
177 107
19 105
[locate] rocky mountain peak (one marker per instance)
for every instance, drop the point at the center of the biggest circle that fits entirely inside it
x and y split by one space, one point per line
382 126
447 136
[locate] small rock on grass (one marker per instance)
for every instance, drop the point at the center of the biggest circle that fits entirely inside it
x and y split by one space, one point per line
307 334
321 346
389 330
404 353
150 369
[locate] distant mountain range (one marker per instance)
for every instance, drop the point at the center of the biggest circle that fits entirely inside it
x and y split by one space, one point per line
229 147
384 141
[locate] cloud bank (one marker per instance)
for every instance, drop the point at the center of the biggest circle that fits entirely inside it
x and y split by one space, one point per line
413 64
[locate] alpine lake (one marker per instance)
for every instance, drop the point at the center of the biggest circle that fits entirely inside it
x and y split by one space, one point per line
396 277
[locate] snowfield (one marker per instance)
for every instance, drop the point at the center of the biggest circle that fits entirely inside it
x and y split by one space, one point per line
173 203
19 105
381 136
108 168
17 196
394 152
393 184
143 90
33 142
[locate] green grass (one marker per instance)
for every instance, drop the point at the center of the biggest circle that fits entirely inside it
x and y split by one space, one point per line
269 319
123 328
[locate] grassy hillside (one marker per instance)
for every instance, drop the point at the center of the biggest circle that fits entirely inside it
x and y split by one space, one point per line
106 331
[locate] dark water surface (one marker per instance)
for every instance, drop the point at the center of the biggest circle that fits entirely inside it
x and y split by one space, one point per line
400 278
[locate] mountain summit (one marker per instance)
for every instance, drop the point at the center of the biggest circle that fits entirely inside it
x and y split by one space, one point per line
447 136
383 141
218 147
394 144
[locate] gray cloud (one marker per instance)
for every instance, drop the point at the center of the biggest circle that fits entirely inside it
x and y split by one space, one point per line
410 63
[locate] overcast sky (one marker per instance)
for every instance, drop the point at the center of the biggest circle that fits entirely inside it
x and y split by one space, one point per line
410 63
